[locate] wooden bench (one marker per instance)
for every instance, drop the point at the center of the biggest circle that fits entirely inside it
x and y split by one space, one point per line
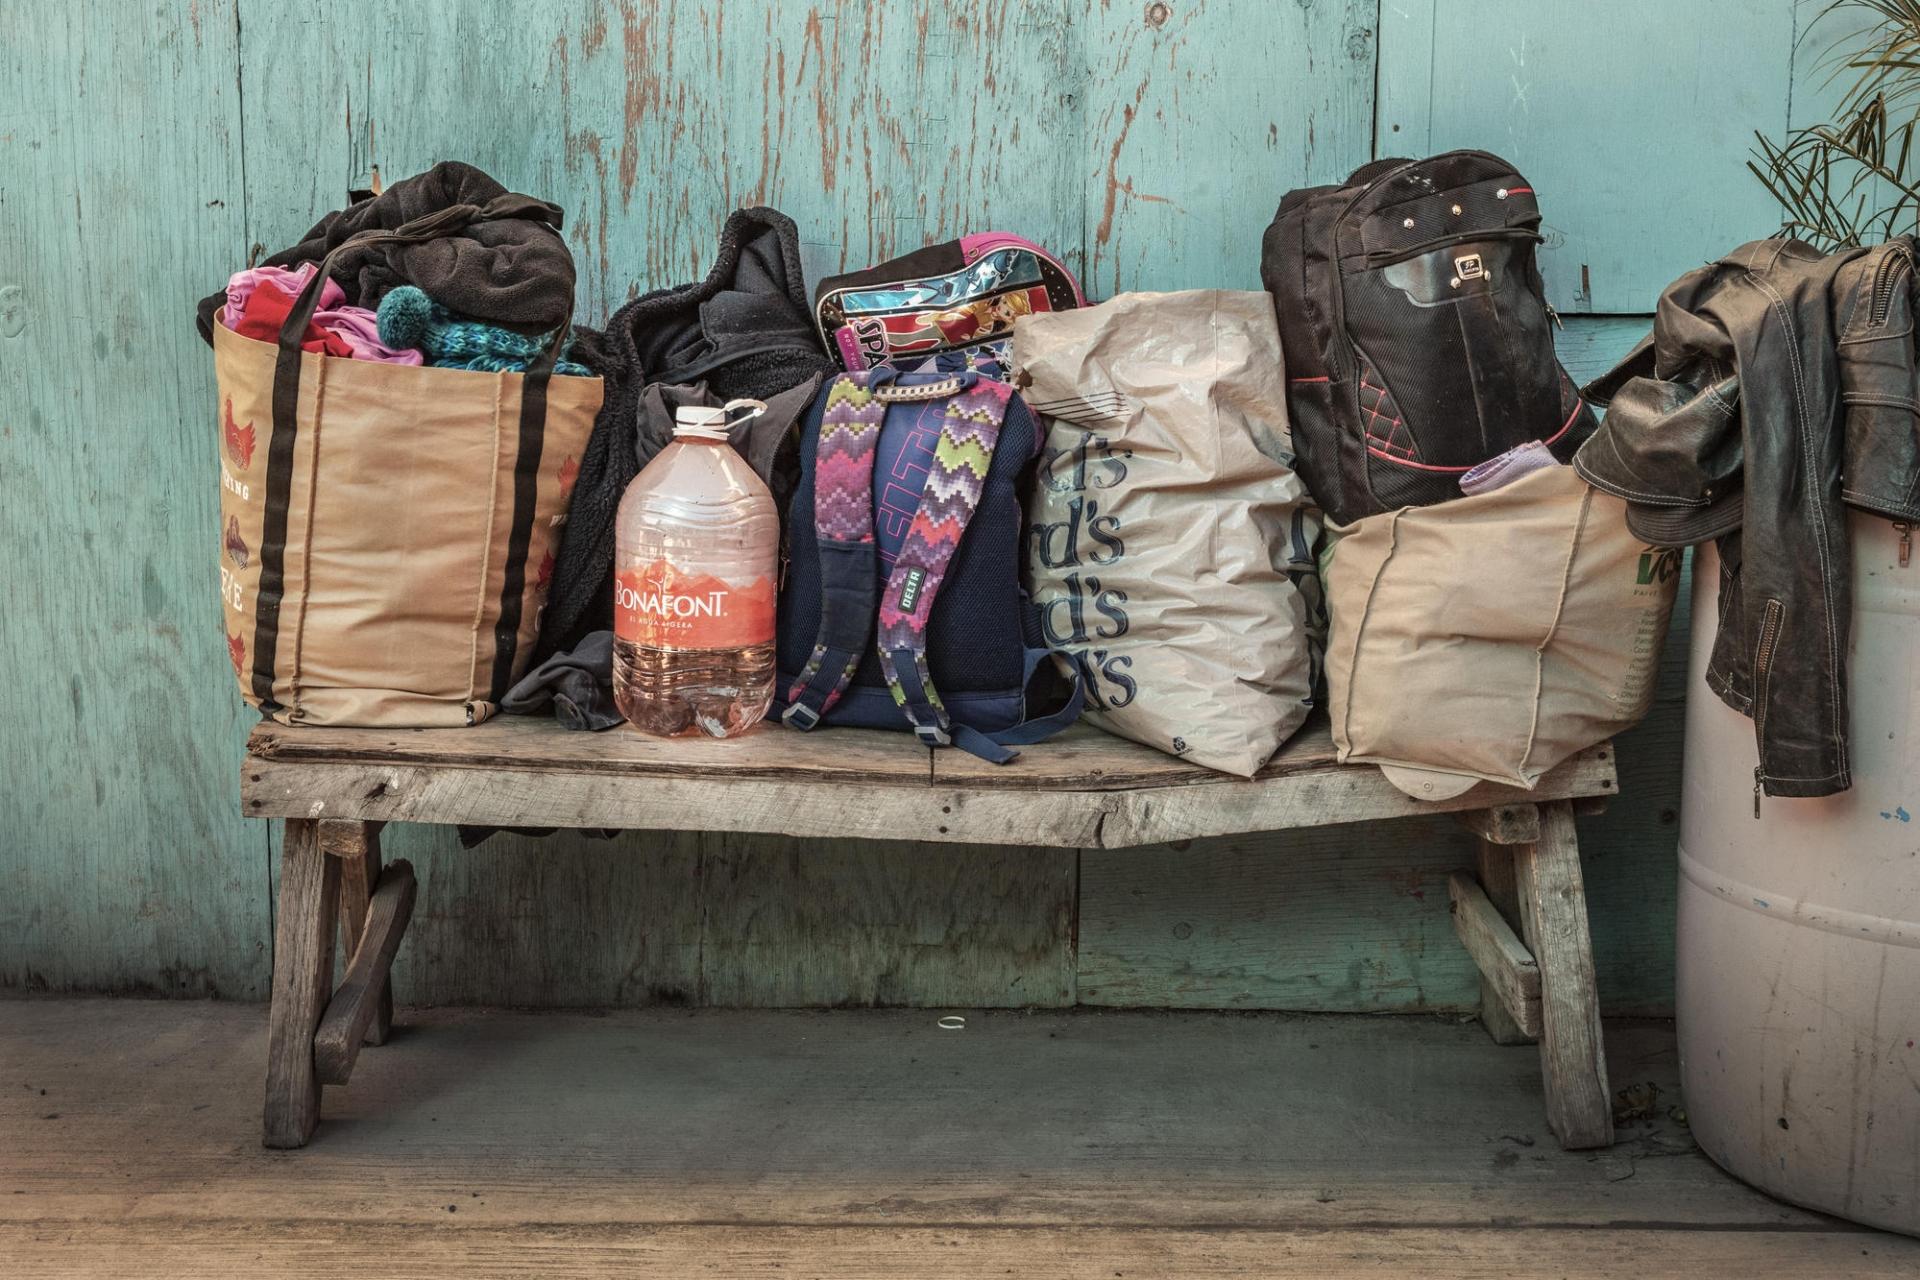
1521 914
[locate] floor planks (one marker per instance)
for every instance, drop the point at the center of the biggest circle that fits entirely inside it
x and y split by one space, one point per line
861 1144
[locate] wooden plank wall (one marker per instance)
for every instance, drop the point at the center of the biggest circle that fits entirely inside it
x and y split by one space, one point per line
1632 118
124 863
146 152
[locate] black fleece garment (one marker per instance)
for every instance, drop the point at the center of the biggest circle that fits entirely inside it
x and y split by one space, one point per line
746 330
515 272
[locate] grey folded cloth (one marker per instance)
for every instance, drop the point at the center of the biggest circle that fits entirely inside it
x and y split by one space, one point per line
576 684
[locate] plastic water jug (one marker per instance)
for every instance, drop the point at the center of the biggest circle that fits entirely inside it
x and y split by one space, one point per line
696 543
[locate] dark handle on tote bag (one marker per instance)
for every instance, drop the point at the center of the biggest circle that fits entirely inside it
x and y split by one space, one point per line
286 400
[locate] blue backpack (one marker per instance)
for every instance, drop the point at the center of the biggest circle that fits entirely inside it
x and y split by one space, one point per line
904 563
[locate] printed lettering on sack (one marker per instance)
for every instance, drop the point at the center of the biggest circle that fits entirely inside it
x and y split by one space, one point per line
664 607
1658 566
237 447
1082 543
231 592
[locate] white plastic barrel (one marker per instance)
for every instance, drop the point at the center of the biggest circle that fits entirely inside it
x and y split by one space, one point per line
1799 931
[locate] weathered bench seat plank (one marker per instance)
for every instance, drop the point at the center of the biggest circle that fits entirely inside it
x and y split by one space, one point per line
1086 789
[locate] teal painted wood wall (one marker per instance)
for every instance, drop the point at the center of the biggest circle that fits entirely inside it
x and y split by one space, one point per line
146 151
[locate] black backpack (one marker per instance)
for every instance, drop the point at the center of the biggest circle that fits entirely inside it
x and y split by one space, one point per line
1416 330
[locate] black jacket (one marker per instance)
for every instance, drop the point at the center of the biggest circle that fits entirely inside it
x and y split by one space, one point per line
745 330
513 272
1778 385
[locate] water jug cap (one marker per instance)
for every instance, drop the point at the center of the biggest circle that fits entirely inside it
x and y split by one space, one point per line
704 422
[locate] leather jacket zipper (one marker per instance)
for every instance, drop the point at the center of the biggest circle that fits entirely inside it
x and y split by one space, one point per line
1892 264
1905 529
1762 668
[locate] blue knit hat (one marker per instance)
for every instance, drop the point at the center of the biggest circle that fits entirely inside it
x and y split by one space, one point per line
409 318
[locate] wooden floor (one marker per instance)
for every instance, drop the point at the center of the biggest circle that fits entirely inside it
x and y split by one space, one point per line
862 1145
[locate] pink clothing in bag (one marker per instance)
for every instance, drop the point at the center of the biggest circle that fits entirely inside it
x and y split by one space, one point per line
357 327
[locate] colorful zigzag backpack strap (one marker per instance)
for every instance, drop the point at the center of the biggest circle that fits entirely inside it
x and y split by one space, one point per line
968 434
850 427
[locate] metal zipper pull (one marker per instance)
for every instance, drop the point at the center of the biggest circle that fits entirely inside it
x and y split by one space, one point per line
1906 541
1756 791
1553 315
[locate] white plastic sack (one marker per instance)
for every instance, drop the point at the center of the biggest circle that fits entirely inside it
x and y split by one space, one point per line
1169 539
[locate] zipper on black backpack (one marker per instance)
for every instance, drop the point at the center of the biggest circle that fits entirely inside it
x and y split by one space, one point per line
1387 257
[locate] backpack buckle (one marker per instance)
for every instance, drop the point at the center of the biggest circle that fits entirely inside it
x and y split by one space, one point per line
800 716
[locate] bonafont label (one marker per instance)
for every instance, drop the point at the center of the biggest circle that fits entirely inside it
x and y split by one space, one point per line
662 606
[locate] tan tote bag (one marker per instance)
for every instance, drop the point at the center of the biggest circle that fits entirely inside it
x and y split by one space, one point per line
387 530
1492 637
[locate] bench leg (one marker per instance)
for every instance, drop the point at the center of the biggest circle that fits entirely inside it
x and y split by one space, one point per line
1553 911
302 983
357 845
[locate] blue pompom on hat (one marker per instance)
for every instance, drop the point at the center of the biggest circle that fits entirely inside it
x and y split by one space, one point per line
409 318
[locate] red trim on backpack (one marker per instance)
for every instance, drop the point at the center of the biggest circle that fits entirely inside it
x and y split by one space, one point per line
1417 466
1578 405
1428 466
1319 379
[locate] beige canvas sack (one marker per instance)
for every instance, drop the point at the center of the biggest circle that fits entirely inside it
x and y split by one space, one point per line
1169 539
1493 636
387 531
